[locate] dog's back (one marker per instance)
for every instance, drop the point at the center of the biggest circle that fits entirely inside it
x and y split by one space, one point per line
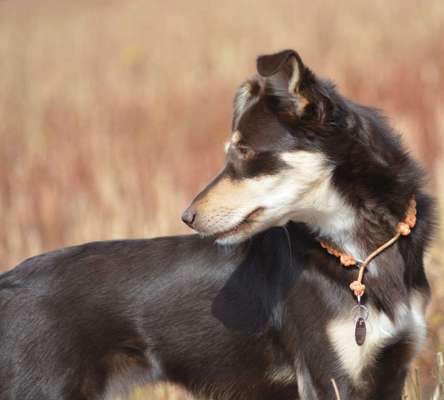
97 319
66 325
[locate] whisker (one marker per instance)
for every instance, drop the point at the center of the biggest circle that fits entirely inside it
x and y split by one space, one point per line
287 234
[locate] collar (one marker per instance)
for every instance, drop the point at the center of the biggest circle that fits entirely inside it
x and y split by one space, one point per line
402 229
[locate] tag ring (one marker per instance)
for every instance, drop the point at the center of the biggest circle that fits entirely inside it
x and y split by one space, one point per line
360 311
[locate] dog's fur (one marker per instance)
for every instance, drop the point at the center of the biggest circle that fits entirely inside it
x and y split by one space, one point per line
267 313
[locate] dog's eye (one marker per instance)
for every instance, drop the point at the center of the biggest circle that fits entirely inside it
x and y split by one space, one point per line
245 152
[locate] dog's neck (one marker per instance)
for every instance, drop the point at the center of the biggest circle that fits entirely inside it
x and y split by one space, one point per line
356 232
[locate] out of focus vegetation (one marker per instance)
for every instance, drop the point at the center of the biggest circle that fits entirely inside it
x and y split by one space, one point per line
113 114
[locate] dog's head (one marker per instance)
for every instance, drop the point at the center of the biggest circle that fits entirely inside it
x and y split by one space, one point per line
277 167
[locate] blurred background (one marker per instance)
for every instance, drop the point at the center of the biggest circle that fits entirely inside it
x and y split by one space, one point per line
114 113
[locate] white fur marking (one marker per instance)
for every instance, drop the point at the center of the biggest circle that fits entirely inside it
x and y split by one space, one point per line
419 325
353 357
284 374
242 97
235 137
380 330
321 206
294 77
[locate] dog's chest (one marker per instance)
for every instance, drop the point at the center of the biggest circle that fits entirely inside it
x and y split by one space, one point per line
381 331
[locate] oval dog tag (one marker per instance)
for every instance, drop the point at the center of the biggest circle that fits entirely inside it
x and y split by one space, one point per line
360 331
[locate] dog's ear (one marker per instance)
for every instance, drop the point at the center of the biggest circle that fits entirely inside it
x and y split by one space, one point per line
285 65
287 78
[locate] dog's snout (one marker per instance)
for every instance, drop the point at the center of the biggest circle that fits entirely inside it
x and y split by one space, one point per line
188 216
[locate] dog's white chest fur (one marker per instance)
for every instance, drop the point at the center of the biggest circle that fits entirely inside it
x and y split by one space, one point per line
380 332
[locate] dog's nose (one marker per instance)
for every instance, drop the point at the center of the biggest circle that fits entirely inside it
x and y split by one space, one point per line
188 216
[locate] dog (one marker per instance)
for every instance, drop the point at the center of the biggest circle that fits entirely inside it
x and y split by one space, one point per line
251 307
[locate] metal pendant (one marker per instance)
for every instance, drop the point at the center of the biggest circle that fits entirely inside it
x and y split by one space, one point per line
360 315
360 331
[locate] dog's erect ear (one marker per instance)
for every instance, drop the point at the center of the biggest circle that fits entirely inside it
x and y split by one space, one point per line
285 65
286 77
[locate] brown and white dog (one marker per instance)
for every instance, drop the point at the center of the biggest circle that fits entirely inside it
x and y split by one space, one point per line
265 314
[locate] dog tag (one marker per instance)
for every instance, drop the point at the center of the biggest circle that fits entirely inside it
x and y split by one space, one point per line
360 331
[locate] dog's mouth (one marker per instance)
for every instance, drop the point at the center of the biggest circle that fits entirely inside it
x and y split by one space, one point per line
241 226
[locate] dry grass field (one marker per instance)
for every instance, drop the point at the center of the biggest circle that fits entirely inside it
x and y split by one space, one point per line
114 113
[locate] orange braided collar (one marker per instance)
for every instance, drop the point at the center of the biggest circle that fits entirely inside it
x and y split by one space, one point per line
402 229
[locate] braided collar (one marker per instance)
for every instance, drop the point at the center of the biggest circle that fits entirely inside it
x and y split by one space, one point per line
402 229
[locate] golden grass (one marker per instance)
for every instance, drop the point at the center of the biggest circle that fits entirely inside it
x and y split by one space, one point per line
113 113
